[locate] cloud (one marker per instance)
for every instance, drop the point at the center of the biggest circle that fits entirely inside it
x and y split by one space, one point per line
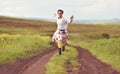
93 9
101 9
82 9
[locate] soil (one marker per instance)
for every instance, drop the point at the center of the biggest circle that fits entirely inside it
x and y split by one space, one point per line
34 65
91 65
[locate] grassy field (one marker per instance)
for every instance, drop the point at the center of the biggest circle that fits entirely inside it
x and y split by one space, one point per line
57 64
25 34
13 47
22 39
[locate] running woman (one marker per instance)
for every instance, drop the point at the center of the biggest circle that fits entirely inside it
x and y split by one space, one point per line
61 34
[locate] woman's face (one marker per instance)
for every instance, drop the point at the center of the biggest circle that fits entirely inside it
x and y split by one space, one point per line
60 14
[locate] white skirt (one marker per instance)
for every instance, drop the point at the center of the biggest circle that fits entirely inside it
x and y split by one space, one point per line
60 35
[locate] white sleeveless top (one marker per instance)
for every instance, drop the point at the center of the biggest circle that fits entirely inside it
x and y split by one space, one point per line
62 23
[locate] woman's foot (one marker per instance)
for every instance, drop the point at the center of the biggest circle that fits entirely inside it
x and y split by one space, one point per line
59 51
63 48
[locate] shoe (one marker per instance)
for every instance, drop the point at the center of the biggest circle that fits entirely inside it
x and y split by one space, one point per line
59 51
63 48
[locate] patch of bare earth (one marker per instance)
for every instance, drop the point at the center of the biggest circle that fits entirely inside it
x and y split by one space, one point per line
38 67
91 65
34 65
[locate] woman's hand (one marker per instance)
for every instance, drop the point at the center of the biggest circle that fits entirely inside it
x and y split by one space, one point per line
54 15
71 18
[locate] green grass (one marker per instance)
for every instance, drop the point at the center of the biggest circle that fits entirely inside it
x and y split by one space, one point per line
13 47
57 64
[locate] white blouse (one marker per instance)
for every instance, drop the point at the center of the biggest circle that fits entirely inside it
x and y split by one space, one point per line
62 23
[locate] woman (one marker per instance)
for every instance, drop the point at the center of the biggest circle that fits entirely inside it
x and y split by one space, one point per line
61 34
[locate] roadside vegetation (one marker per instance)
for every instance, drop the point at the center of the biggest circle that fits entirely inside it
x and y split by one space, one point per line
13 47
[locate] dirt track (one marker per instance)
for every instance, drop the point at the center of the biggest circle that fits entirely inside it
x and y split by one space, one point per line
39 66
34 65
91 65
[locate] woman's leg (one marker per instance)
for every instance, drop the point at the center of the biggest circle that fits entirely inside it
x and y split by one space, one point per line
60 45
63 47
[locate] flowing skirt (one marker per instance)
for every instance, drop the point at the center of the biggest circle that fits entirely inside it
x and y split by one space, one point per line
60 35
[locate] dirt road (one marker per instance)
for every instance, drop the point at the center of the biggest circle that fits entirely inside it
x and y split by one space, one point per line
91 65
39 66
35 65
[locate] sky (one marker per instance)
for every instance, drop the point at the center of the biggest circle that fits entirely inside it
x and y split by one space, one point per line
81 9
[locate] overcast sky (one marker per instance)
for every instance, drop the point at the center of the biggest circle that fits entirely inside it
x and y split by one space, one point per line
81 9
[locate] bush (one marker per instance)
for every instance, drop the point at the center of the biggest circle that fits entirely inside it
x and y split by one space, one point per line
105 35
